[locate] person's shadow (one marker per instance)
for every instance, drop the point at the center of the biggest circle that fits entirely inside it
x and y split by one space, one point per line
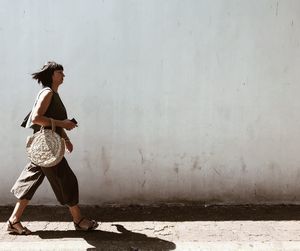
104 240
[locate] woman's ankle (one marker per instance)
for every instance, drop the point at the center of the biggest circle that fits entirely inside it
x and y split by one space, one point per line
13 219
76 214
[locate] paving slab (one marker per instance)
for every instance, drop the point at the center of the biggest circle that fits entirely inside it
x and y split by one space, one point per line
153 228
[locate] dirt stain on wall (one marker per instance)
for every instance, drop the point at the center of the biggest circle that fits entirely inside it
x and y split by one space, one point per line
105 160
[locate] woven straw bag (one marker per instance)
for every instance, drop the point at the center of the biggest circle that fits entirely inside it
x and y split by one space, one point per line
45 148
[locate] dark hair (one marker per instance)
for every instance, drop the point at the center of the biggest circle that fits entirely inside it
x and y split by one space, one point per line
44 76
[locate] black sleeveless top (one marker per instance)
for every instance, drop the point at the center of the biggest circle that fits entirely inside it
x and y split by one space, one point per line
56 110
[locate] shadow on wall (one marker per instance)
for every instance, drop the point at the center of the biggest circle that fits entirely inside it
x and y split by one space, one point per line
103 240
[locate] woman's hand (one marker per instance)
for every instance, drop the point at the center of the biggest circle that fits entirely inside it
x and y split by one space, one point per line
69 146
68 124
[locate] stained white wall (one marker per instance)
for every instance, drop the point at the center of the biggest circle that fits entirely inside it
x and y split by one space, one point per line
177 100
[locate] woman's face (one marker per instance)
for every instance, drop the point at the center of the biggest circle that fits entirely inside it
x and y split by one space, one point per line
58 77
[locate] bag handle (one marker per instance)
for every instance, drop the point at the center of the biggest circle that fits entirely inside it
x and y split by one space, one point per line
53 126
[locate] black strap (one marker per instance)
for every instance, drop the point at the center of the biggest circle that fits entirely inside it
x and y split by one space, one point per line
25 120
11 224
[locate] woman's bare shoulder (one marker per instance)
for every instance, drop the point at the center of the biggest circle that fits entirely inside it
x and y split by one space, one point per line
45 95
46 92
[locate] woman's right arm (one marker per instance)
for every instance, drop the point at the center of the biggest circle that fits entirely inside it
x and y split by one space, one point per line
41 108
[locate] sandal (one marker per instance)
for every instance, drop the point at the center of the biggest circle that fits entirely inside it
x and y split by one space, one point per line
92 226
22 231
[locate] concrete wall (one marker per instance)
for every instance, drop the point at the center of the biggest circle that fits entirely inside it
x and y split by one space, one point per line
177 100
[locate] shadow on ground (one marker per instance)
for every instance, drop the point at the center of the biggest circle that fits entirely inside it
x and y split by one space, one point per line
162 213
103 240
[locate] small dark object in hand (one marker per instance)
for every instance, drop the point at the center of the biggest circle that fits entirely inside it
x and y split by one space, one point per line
74 121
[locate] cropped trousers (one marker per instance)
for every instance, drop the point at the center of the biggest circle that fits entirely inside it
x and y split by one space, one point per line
61 178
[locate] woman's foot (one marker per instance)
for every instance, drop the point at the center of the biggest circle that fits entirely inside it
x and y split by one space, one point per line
86 225
17 228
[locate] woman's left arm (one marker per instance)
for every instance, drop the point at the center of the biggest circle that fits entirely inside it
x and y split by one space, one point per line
69 144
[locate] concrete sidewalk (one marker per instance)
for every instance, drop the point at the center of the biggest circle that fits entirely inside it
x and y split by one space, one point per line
161 227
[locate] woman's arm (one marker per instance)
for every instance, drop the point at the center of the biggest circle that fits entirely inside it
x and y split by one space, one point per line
64 135
68 142
41 108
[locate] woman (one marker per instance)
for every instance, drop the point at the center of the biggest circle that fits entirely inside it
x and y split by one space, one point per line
62 179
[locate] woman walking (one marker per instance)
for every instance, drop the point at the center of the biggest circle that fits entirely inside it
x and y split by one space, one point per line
61 178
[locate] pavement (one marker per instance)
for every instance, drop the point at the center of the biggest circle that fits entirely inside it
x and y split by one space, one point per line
159 227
